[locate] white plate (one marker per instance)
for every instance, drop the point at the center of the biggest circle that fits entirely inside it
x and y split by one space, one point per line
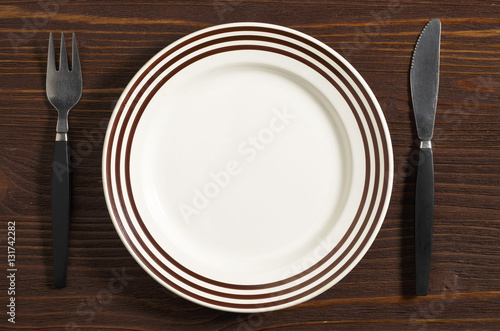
247 167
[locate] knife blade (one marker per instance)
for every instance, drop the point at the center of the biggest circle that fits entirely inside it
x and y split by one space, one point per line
424 82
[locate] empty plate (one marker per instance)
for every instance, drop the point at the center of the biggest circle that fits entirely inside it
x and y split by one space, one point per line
247 167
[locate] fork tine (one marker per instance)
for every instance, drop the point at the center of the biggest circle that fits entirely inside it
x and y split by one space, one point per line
51 60
63 58
75 60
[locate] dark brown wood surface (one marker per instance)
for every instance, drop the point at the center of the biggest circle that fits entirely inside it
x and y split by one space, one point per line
117 37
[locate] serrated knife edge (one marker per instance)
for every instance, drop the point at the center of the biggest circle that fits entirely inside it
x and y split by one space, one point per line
424 78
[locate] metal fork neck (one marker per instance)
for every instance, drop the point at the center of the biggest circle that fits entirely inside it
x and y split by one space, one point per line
425 144
62 121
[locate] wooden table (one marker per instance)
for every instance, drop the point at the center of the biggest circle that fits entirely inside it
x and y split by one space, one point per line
108 290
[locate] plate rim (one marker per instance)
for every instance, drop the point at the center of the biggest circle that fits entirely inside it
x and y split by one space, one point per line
384 137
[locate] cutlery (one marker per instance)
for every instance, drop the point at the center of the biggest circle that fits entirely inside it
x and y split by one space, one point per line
424 81
64 89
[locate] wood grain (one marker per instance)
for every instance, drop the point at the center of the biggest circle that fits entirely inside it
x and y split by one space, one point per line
117 37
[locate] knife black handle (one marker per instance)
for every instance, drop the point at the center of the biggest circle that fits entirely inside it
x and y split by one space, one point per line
61 209
424 219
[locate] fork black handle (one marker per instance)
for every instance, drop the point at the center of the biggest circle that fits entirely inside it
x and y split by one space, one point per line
424 219
61 210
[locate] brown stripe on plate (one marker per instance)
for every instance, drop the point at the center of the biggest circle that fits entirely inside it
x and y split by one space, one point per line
142 109
160 249
149 98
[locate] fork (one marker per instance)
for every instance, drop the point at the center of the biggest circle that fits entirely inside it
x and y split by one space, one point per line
64 89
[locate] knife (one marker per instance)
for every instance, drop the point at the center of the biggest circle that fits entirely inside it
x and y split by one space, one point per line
424 81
